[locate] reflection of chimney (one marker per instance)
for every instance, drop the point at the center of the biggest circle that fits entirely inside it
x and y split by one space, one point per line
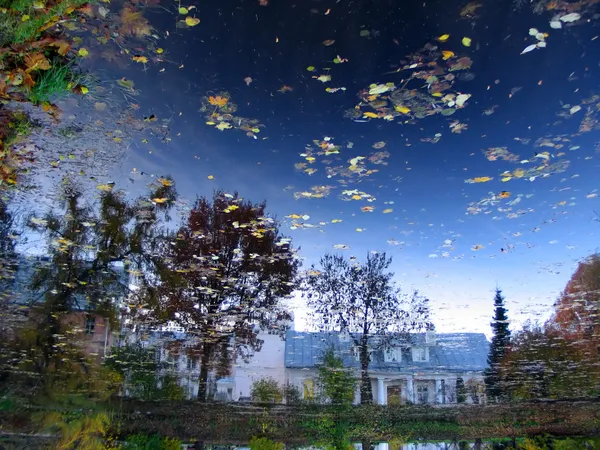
430 337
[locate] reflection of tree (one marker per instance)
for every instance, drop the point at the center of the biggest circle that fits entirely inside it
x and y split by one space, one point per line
362 300
498 346
228 269
85 245
560 358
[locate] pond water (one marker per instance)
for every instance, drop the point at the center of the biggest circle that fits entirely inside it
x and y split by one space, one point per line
215 176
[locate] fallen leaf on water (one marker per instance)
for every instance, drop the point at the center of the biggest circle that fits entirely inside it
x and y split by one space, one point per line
367 209
572 17
165 182
311 68
191 21
140 59
183 10
466 41
379 145
160 200
217 100
223 126
211 177
83 52
575 109
105 187
443 37
447 54
323 78
328 42
387 211
504 194
479 180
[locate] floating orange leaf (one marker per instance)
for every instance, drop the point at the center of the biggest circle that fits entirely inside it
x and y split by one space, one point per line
217 100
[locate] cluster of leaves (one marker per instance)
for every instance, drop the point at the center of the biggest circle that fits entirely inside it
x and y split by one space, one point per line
218 111
430 65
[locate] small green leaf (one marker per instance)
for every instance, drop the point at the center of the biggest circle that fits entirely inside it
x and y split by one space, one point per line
311 68
183 10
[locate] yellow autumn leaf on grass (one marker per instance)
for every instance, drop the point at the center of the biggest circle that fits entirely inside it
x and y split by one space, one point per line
447 54
217 101
466 41
443 37
83 52
191 21
25 18
140 59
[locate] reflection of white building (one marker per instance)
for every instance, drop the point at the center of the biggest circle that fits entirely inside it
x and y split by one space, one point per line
423 370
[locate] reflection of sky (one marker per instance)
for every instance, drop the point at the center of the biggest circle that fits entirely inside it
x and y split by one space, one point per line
429 233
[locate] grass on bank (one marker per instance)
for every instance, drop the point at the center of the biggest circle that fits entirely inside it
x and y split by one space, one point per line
25 20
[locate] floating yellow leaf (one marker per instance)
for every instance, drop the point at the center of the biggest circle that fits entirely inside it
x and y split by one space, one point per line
83 52
370 114
84 90
387 211
159 50
165 182
466 41
481 179
443 37
192 21
504 194
336 221
140 59
160 200
211 177
447 54
223 126
183 10
519 173
311 68
402 109
105 187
